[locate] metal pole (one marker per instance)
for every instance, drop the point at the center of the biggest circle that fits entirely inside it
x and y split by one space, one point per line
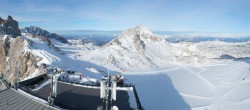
54 81
113 96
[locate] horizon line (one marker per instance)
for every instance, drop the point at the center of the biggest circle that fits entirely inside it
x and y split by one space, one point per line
150 30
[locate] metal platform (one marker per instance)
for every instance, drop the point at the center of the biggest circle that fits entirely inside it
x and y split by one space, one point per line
80 98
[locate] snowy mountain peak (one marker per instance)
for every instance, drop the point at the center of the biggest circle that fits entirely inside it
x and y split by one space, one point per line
139 34
142 29
132 49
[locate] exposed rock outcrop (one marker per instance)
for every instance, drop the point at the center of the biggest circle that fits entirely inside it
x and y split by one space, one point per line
14 58
9 27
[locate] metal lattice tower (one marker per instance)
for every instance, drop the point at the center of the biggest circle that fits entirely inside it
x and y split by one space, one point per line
107 92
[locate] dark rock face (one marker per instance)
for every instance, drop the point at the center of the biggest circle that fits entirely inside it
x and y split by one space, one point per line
9 27
1 20
40 32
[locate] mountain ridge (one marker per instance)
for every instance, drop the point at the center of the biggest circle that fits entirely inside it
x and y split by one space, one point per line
41 32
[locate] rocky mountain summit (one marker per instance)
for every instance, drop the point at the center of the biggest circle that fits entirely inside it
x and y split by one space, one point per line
9 27
40 32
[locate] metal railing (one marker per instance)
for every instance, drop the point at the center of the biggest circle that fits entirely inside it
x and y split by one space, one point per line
4 81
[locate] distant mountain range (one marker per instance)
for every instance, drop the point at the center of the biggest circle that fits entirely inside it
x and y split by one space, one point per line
196 39
101 37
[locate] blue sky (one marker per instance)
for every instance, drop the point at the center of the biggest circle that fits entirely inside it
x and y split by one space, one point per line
167 15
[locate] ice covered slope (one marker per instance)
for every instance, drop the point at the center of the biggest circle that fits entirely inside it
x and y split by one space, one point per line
211 87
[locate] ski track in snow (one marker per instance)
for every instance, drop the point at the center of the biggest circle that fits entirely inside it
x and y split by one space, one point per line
196 96
221 81
153 72
208 83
